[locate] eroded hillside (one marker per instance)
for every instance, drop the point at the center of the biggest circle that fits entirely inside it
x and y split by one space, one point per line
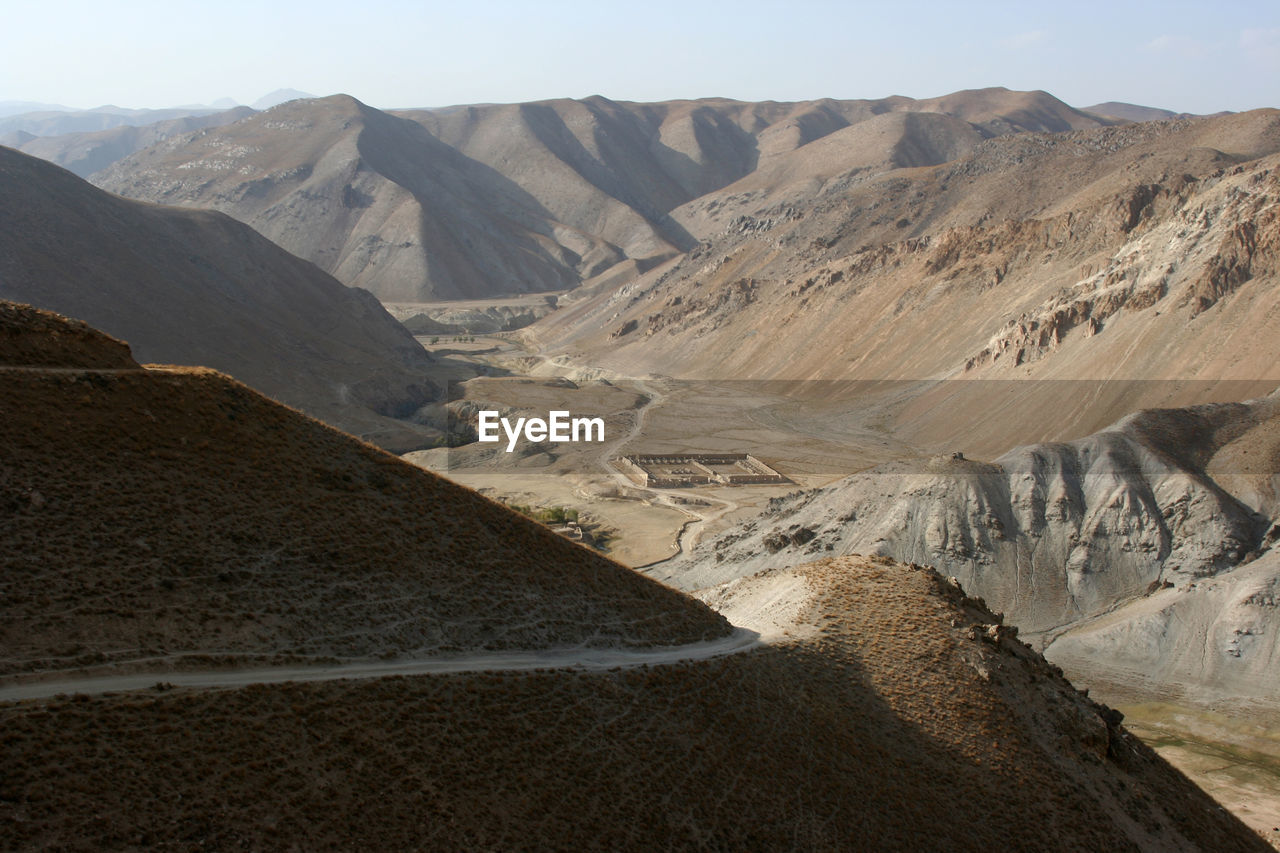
1168 509
1119 252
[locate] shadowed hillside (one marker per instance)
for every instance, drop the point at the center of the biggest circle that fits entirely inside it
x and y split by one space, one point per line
196 287
898 716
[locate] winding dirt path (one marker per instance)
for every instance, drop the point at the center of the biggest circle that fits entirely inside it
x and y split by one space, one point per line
581 659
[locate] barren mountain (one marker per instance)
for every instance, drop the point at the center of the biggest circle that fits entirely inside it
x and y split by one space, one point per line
1123 252
372 198
196 287
482 200
170 518
86 153
1133 112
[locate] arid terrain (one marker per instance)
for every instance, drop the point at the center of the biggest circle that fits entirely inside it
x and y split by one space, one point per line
995 344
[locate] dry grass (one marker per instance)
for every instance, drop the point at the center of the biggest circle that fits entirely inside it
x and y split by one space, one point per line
32 337
891 728
148 516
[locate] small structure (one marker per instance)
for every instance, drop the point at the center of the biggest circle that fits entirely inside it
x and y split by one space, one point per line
676 471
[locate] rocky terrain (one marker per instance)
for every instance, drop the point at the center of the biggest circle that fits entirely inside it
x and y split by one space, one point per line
936 281
196 287
171 518
1119 252
475 201
1147 546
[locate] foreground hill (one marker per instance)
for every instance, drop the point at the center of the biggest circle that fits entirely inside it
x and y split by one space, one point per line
196 287
898 715
481 200
175 518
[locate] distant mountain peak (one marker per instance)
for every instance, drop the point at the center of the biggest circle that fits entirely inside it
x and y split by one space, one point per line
279 96
1133 112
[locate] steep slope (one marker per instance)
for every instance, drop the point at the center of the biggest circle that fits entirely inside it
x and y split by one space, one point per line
86 153
481 200
895 700
1054 534
196 287
162 519
372 198
1210 642
1125 252
30 337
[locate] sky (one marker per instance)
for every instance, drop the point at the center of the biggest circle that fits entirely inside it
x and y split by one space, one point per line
1189 57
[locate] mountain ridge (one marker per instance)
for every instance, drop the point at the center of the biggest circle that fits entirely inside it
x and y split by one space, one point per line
582 185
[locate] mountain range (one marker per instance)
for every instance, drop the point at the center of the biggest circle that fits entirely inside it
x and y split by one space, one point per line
482 200
1061 324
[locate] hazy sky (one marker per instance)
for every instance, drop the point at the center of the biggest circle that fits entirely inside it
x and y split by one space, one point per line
1195 57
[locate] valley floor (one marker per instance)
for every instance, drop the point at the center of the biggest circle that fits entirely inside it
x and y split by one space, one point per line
809 432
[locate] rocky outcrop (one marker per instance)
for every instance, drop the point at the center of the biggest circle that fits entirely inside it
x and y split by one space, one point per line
1050 534
30 337
1203 250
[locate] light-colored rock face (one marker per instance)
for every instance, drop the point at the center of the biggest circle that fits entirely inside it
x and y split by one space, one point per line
1050 534
1214 639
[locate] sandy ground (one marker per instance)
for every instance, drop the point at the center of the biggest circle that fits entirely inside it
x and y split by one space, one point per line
651 527
1234 759
404 310
642 531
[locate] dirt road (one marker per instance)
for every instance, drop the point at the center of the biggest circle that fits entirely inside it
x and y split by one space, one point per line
586 659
